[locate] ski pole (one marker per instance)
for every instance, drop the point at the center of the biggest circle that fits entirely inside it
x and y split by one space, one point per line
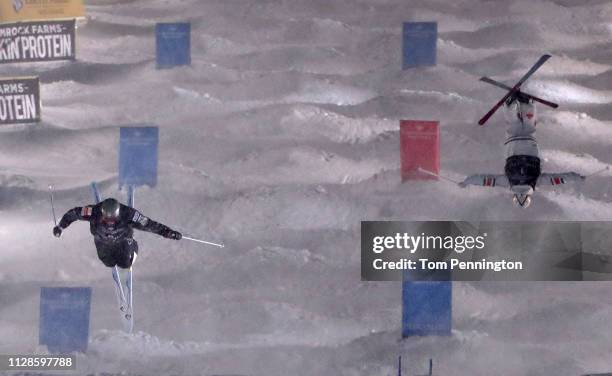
52 206
598 172
203 241
436 175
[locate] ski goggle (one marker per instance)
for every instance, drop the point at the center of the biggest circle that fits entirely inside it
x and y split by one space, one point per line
109 220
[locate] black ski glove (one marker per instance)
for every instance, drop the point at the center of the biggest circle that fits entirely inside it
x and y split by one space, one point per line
57 231
170 234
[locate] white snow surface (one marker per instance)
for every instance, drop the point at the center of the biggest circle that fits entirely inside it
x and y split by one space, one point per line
278 140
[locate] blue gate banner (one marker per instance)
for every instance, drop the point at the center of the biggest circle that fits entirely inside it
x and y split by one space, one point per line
138 156
419 44
427 306
64 318
173 44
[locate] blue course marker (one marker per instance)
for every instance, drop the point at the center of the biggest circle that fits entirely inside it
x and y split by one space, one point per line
64 318
419 44
427 305
138 156
173 44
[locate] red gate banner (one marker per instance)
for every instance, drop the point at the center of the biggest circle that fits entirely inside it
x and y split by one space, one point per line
420 148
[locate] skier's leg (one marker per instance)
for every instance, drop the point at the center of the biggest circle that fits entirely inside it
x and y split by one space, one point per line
127 254
133 250
106 254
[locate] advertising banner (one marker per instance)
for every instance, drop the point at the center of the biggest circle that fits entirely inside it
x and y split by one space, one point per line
37 41
19 100
419 149
64 318
138 156
32 10
173 41
419 44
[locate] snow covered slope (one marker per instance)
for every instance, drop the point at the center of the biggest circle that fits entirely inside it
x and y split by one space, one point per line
279 140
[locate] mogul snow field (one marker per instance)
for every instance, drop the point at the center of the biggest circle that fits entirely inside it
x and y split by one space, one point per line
279 139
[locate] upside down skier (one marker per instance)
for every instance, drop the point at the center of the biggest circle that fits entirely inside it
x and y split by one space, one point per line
112 225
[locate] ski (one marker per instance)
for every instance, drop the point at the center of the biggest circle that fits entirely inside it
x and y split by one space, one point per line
124 297
52 205
122 302
513 90
129 313
96 192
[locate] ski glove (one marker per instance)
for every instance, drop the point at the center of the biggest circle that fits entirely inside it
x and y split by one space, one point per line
57 231
170 234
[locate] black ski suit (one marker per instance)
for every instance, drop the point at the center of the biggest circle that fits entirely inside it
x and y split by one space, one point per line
114 242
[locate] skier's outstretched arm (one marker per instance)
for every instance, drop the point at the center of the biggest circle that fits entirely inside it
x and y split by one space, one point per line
141 222
560 178
74 214
485 180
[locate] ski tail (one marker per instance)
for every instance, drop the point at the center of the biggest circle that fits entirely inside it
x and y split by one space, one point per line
96 192
131 192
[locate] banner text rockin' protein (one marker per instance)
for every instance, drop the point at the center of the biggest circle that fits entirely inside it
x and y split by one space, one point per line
37 41
19 100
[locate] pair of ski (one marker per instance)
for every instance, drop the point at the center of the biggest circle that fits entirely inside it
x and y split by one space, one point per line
122 278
